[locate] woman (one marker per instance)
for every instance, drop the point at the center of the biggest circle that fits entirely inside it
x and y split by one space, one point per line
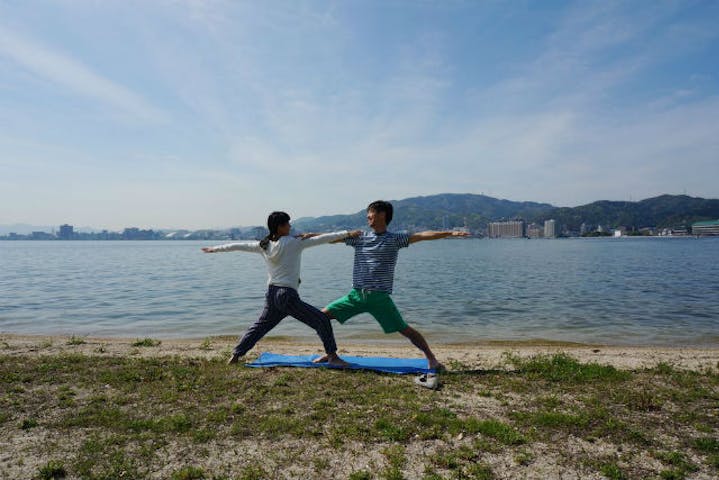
282 253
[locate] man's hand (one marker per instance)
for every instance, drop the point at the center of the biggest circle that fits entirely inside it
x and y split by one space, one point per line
436 235
208 249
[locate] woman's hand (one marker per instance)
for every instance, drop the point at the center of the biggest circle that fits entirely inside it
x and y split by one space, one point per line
305 236
354 234
208 249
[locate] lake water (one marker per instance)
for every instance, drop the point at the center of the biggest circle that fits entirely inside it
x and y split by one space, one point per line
648 291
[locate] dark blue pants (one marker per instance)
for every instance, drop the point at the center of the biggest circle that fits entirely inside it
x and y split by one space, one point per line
279 303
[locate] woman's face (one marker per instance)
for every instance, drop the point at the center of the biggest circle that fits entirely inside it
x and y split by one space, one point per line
284 229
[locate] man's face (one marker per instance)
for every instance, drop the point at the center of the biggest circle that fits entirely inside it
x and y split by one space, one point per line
376 220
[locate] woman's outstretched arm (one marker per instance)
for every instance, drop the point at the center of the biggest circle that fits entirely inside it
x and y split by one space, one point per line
249 246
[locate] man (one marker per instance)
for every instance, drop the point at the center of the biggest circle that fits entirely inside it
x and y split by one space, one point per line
373 277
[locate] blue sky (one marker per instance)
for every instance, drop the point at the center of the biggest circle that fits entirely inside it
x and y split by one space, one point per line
204 114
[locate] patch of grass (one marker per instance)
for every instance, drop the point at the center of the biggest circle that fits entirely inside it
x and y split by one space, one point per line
52 469
127 412
206 344
253 472
612 471
76 341
189 473
146 342
396 459
561 367
680 463
640 399
549 419
104 458
390 430
360 475
500 431
706 444
480 471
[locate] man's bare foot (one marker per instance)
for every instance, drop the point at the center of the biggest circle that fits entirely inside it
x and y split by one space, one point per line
336 361
437 366
233 359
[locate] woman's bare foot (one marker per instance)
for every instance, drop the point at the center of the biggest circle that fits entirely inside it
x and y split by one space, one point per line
332 359
322 359
233 359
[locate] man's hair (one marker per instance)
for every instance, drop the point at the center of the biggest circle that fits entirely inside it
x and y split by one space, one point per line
382 206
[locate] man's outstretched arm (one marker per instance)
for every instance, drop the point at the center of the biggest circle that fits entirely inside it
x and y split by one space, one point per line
435 235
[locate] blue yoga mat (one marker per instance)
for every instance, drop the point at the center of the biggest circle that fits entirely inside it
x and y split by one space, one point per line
379 364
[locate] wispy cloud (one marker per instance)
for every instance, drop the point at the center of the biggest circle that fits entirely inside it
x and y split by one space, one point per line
65 71
323 107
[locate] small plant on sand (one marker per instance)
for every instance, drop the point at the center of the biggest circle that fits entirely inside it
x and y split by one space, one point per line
206 344
480 471
76 341
51 470
253 472
146 342
189 473
28 423
524 458
360 475
612 471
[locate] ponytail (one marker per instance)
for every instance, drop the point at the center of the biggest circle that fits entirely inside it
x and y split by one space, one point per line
266 241
274 221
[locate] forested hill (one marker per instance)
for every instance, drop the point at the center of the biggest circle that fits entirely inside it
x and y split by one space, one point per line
435 211
661 211
452 210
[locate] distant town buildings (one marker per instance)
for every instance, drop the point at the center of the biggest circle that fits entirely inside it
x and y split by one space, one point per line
550 229
510 229
66 232
534 231
710 227
503 229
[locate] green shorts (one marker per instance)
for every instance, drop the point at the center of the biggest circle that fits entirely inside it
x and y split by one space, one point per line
377 304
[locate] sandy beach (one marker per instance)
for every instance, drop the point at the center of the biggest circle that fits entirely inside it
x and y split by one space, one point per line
480 355
81 407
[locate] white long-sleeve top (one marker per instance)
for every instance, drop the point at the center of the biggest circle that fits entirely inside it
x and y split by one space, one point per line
284 256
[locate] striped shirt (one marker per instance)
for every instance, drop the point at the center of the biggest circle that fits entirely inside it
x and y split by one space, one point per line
375 259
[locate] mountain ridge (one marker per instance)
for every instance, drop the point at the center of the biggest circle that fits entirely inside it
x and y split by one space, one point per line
475 211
